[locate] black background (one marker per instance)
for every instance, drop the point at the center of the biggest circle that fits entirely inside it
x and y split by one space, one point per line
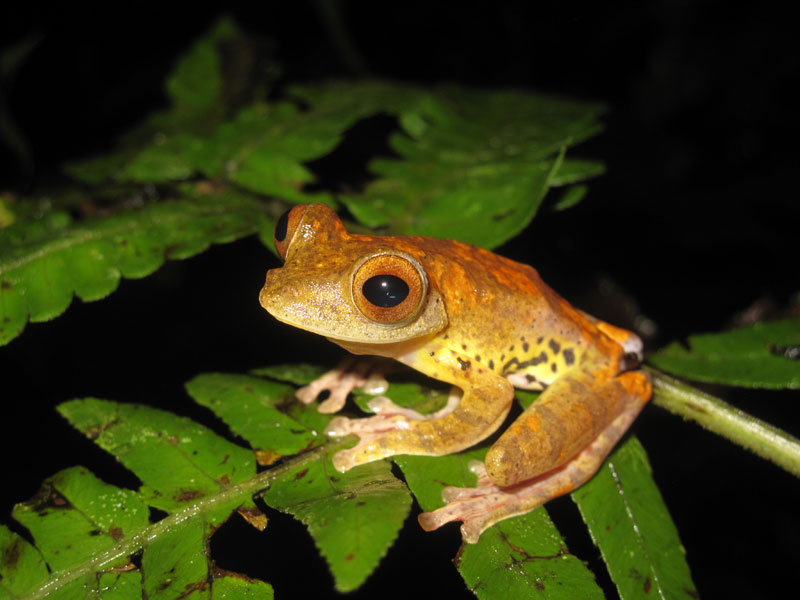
696 220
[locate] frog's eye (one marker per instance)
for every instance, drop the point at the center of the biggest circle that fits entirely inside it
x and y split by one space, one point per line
286 227
389 288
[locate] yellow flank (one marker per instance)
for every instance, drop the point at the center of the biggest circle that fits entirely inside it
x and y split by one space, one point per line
468 317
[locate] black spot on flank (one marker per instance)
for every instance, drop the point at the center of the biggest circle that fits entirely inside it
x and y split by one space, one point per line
554 346
478 357
464 363
502 357
446 336
525 346
569 356
432 353
554 367
522 338
530 378
536 360
491 364
539 340
463 346
512 348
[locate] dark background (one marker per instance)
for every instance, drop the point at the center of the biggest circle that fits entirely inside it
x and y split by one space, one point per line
694 224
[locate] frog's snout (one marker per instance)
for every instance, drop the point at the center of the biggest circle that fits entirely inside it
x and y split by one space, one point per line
266 294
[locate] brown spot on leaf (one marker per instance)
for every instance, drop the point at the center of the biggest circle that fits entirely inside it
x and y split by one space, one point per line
266 457
647 585
5 285
301 474
465 363
255 517
12 553
350 556
189 495
115 532
225 480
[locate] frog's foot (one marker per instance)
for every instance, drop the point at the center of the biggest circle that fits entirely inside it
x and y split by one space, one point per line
375 433
481 507
478 508
351 373
381 405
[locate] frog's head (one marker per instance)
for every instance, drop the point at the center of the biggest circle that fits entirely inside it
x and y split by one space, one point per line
349 288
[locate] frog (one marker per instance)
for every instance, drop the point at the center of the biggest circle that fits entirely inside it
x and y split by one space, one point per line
470 318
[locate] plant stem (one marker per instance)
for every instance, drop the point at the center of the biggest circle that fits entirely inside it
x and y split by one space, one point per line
715 415
128 546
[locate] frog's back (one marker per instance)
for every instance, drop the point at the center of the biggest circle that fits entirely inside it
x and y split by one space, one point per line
503 315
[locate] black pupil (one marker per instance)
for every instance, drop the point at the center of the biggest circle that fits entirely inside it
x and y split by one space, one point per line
281 226
385 291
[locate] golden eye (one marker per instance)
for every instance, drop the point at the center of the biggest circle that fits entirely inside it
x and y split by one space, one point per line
285 228
389 288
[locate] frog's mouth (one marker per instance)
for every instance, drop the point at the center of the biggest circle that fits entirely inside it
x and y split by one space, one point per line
320 307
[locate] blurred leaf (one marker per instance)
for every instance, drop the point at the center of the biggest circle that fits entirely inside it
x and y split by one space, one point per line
298 373
630 524
469 158
44 261
766 355
353 517
571 197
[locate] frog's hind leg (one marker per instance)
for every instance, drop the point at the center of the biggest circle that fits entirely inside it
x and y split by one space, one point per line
504 491
569 414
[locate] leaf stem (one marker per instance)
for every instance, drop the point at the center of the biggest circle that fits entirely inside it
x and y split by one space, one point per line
138 541
765 440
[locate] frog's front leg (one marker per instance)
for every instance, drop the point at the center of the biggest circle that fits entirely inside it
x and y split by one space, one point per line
504 492
483 406
352 372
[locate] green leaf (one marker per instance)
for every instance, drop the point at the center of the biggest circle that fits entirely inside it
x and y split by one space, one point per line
525 557
298 373
263 412
232 586
178 460
75 516
516 558
630 524
571 197
766 355
174 563
353 517
471 157
44 261
195 86
22 568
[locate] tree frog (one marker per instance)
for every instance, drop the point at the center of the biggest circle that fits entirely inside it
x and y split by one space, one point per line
480 322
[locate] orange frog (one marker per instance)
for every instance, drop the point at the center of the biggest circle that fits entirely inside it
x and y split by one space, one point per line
478 321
